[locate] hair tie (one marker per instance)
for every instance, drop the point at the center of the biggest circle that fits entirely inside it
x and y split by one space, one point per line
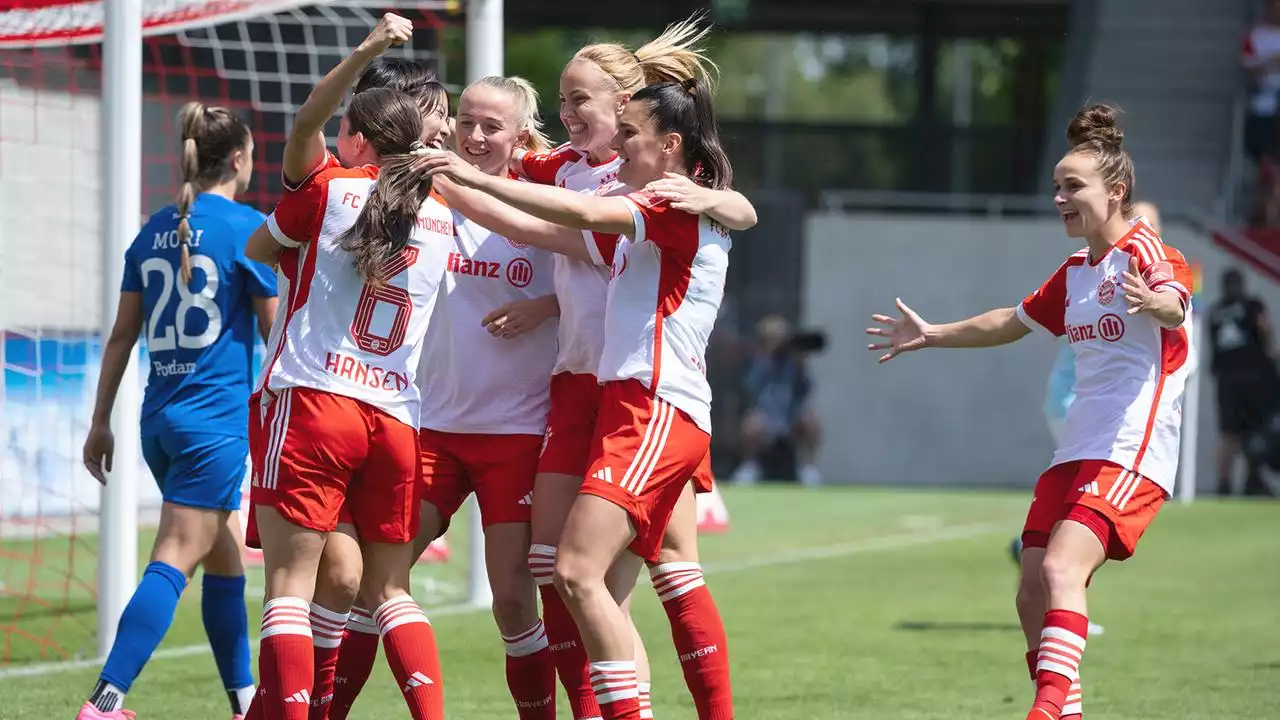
689 85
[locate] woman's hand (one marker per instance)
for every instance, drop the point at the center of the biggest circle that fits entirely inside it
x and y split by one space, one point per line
908 333
99 448
390 30
520 316
683 193
452 166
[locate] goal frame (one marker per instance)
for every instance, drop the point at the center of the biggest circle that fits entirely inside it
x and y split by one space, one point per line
121 189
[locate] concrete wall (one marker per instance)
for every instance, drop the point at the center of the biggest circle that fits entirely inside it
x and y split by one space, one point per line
968 417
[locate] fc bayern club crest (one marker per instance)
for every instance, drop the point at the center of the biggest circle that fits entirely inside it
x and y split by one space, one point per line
1107 290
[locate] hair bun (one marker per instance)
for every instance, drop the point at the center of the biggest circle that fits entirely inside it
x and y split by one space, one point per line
1097 123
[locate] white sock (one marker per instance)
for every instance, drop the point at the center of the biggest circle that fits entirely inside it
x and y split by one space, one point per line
243 699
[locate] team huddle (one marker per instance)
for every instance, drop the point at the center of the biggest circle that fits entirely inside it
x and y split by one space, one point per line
458 308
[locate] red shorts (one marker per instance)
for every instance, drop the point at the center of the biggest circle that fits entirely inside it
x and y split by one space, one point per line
644 452
703 480
571 424
1115 503
316 452
498 468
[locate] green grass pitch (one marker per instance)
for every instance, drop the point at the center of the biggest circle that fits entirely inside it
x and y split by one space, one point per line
839 603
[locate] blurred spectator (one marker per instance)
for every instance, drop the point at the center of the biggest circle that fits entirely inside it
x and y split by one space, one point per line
1240 342
776 391
1261 58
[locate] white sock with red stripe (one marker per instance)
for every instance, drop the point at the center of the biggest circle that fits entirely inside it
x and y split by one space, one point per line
285 669
617 691
1073 708
646 706
531 674
412 654
699 636
327 627
1062 642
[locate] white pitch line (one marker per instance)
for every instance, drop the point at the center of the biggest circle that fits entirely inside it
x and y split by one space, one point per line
897 541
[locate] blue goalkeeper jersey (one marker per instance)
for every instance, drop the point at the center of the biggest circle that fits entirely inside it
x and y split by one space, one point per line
199 335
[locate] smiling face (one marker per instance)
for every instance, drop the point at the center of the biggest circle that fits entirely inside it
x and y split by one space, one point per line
589 105
488 129
1082 195
645 152
435 125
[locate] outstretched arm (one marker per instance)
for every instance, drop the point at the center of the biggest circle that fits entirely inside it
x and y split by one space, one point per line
727 207
911 332
556 205
305 147
507 221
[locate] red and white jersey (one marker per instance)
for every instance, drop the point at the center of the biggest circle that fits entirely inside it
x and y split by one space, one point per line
471 381
581 288
665 293
1130 371
334 332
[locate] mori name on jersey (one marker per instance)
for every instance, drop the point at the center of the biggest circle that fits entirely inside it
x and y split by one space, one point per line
365 374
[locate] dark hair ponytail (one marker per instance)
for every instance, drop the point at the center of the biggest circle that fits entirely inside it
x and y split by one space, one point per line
686 108
391 122
210 137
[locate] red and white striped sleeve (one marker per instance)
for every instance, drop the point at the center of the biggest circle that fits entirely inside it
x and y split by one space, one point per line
1046 308
1163 268
297 217
544 168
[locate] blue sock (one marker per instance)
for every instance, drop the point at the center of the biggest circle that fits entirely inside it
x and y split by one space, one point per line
143 623
226 622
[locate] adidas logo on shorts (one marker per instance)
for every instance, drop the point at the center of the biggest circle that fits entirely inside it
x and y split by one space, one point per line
1090 488
605 474
527 499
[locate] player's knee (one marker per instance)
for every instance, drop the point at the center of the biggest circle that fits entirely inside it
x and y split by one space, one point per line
515 602
337 584
574 576
1060 572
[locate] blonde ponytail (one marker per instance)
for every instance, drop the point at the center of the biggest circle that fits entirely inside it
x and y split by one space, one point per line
674 56
191 118
526 112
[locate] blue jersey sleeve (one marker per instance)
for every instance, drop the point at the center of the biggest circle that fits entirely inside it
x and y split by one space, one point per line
132 280
260 280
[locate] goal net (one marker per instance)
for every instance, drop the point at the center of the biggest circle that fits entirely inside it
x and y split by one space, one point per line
259 57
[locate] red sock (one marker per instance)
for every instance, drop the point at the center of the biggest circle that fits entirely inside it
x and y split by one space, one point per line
617 692
412 655
1058 662
355 662
327 627
562 633
531 674
284 661
698 633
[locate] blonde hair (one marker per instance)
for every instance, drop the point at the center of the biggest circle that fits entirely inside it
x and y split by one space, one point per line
210 137
526 98
674 56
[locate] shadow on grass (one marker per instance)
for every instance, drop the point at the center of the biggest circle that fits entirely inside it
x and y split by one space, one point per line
956 626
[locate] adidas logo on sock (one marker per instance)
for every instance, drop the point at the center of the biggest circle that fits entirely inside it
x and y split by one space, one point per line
605 474
302 696
417 680
527 499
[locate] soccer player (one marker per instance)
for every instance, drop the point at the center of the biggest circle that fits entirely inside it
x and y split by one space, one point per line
1123 304
333 627
594 87
188 282
363 248
653 430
